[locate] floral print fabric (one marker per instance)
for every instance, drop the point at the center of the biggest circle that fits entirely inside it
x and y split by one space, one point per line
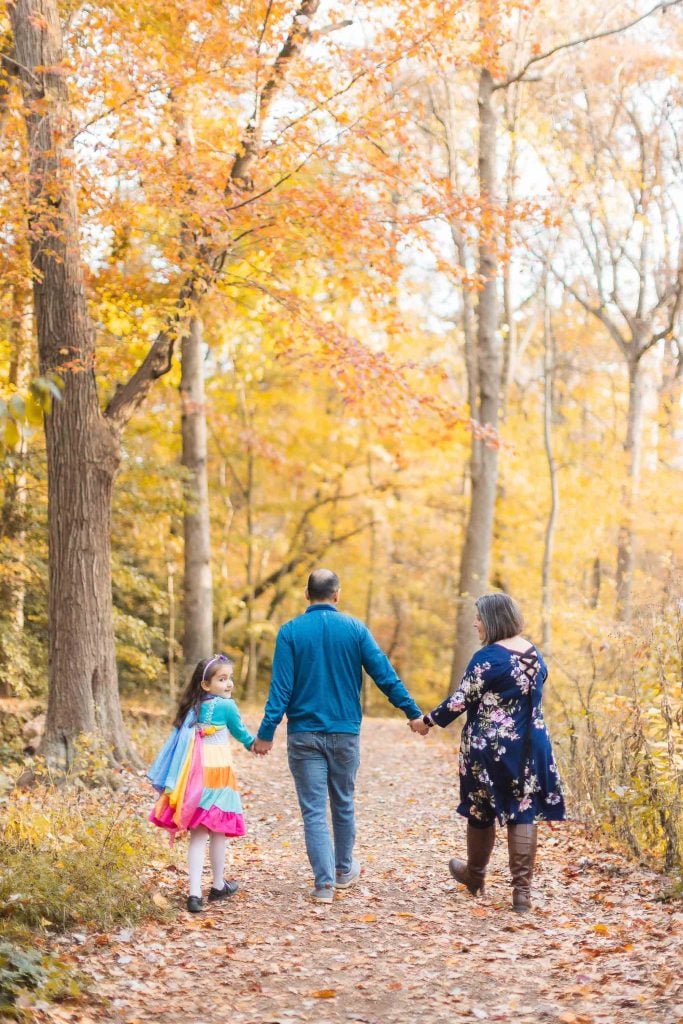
506 764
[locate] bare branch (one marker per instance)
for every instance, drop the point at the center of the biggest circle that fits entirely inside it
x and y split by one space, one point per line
597 311
662 6
677 294
310 556
11 65
129 396
266 18
276 184
298 33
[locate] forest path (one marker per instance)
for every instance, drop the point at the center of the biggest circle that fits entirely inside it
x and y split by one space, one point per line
406 944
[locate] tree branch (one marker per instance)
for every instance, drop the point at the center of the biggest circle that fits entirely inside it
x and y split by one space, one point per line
595 311
240 172
12 66
668 331
129 396
294 562
662 6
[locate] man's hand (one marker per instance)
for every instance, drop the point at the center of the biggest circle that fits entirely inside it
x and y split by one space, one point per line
418 726
261 747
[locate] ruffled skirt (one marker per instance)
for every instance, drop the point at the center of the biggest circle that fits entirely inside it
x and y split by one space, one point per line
218 807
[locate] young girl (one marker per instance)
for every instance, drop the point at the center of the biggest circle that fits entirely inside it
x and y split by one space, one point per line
194 775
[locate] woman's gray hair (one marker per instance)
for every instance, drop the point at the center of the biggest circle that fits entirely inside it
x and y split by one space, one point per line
500 616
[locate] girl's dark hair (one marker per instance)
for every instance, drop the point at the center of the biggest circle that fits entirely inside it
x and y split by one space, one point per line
500 616
193 693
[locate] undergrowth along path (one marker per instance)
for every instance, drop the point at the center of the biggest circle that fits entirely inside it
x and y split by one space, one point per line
406 944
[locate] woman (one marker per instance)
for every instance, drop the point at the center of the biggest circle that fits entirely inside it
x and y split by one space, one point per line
507 771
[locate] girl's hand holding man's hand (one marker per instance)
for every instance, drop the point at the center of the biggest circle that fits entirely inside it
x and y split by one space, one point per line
261 747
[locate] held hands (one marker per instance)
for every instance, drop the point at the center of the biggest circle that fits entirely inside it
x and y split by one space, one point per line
417 725
261 747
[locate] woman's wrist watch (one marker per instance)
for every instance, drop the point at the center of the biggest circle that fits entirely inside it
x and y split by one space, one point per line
427 721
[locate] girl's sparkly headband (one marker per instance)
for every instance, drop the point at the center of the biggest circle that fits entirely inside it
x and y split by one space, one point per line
216 657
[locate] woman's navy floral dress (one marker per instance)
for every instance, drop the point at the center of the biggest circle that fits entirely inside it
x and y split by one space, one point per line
507 770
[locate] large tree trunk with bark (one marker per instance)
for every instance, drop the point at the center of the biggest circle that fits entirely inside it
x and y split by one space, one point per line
198 585
82 447
475 558
83 456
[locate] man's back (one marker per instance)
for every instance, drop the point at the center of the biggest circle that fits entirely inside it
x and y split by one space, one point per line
317 674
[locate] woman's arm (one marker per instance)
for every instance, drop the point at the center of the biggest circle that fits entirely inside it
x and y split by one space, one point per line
469 692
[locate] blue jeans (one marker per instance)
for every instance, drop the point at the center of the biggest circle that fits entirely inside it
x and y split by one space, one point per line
325 764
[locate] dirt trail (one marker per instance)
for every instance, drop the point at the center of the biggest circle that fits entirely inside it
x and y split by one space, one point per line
406 944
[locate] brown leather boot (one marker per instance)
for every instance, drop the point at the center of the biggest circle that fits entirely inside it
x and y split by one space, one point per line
479 848
522 854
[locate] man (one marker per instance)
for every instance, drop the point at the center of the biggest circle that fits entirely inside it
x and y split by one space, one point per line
316 682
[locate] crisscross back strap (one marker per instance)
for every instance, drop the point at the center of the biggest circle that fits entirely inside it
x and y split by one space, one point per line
530 665
529 661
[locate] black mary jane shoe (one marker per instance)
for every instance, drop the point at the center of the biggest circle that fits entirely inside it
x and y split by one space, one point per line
229 889
195 904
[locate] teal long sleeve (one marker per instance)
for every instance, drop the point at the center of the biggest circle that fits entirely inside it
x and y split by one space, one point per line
225 712
318 672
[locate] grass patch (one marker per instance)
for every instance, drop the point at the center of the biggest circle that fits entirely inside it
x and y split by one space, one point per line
77 858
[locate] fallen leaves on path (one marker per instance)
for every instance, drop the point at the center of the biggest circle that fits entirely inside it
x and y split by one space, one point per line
405 944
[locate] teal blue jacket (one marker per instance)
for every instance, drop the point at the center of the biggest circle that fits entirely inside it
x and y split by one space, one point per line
317 674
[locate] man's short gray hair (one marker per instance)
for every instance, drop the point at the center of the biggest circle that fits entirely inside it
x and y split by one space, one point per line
322 585
501 617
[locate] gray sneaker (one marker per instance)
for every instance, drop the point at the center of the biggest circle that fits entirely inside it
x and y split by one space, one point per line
325 894
343 881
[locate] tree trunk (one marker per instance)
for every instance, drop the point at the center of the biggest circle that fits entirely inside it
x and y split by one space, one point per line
370 592
548 372
83 456
226 517
452 136
476 553
198 586
595 582
513 102
82 447
170 584
626 553
249 665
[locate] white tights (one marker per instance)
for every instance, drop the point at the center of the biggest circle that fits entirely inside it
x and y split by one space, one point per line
195 858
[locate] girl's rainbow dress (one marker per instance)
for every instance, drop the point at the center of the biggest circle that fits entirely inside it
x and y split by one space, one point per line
194 775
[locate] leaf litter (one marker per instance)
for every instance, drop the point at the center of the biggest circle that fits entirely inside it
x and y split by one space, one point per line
405 944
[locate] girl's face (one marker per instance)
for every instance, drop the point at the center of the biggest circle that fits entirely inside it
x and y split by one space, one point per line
479 626
221 683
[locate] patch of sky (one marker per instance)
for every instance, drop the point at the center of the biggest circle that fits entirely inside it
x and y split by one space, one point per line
425 289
